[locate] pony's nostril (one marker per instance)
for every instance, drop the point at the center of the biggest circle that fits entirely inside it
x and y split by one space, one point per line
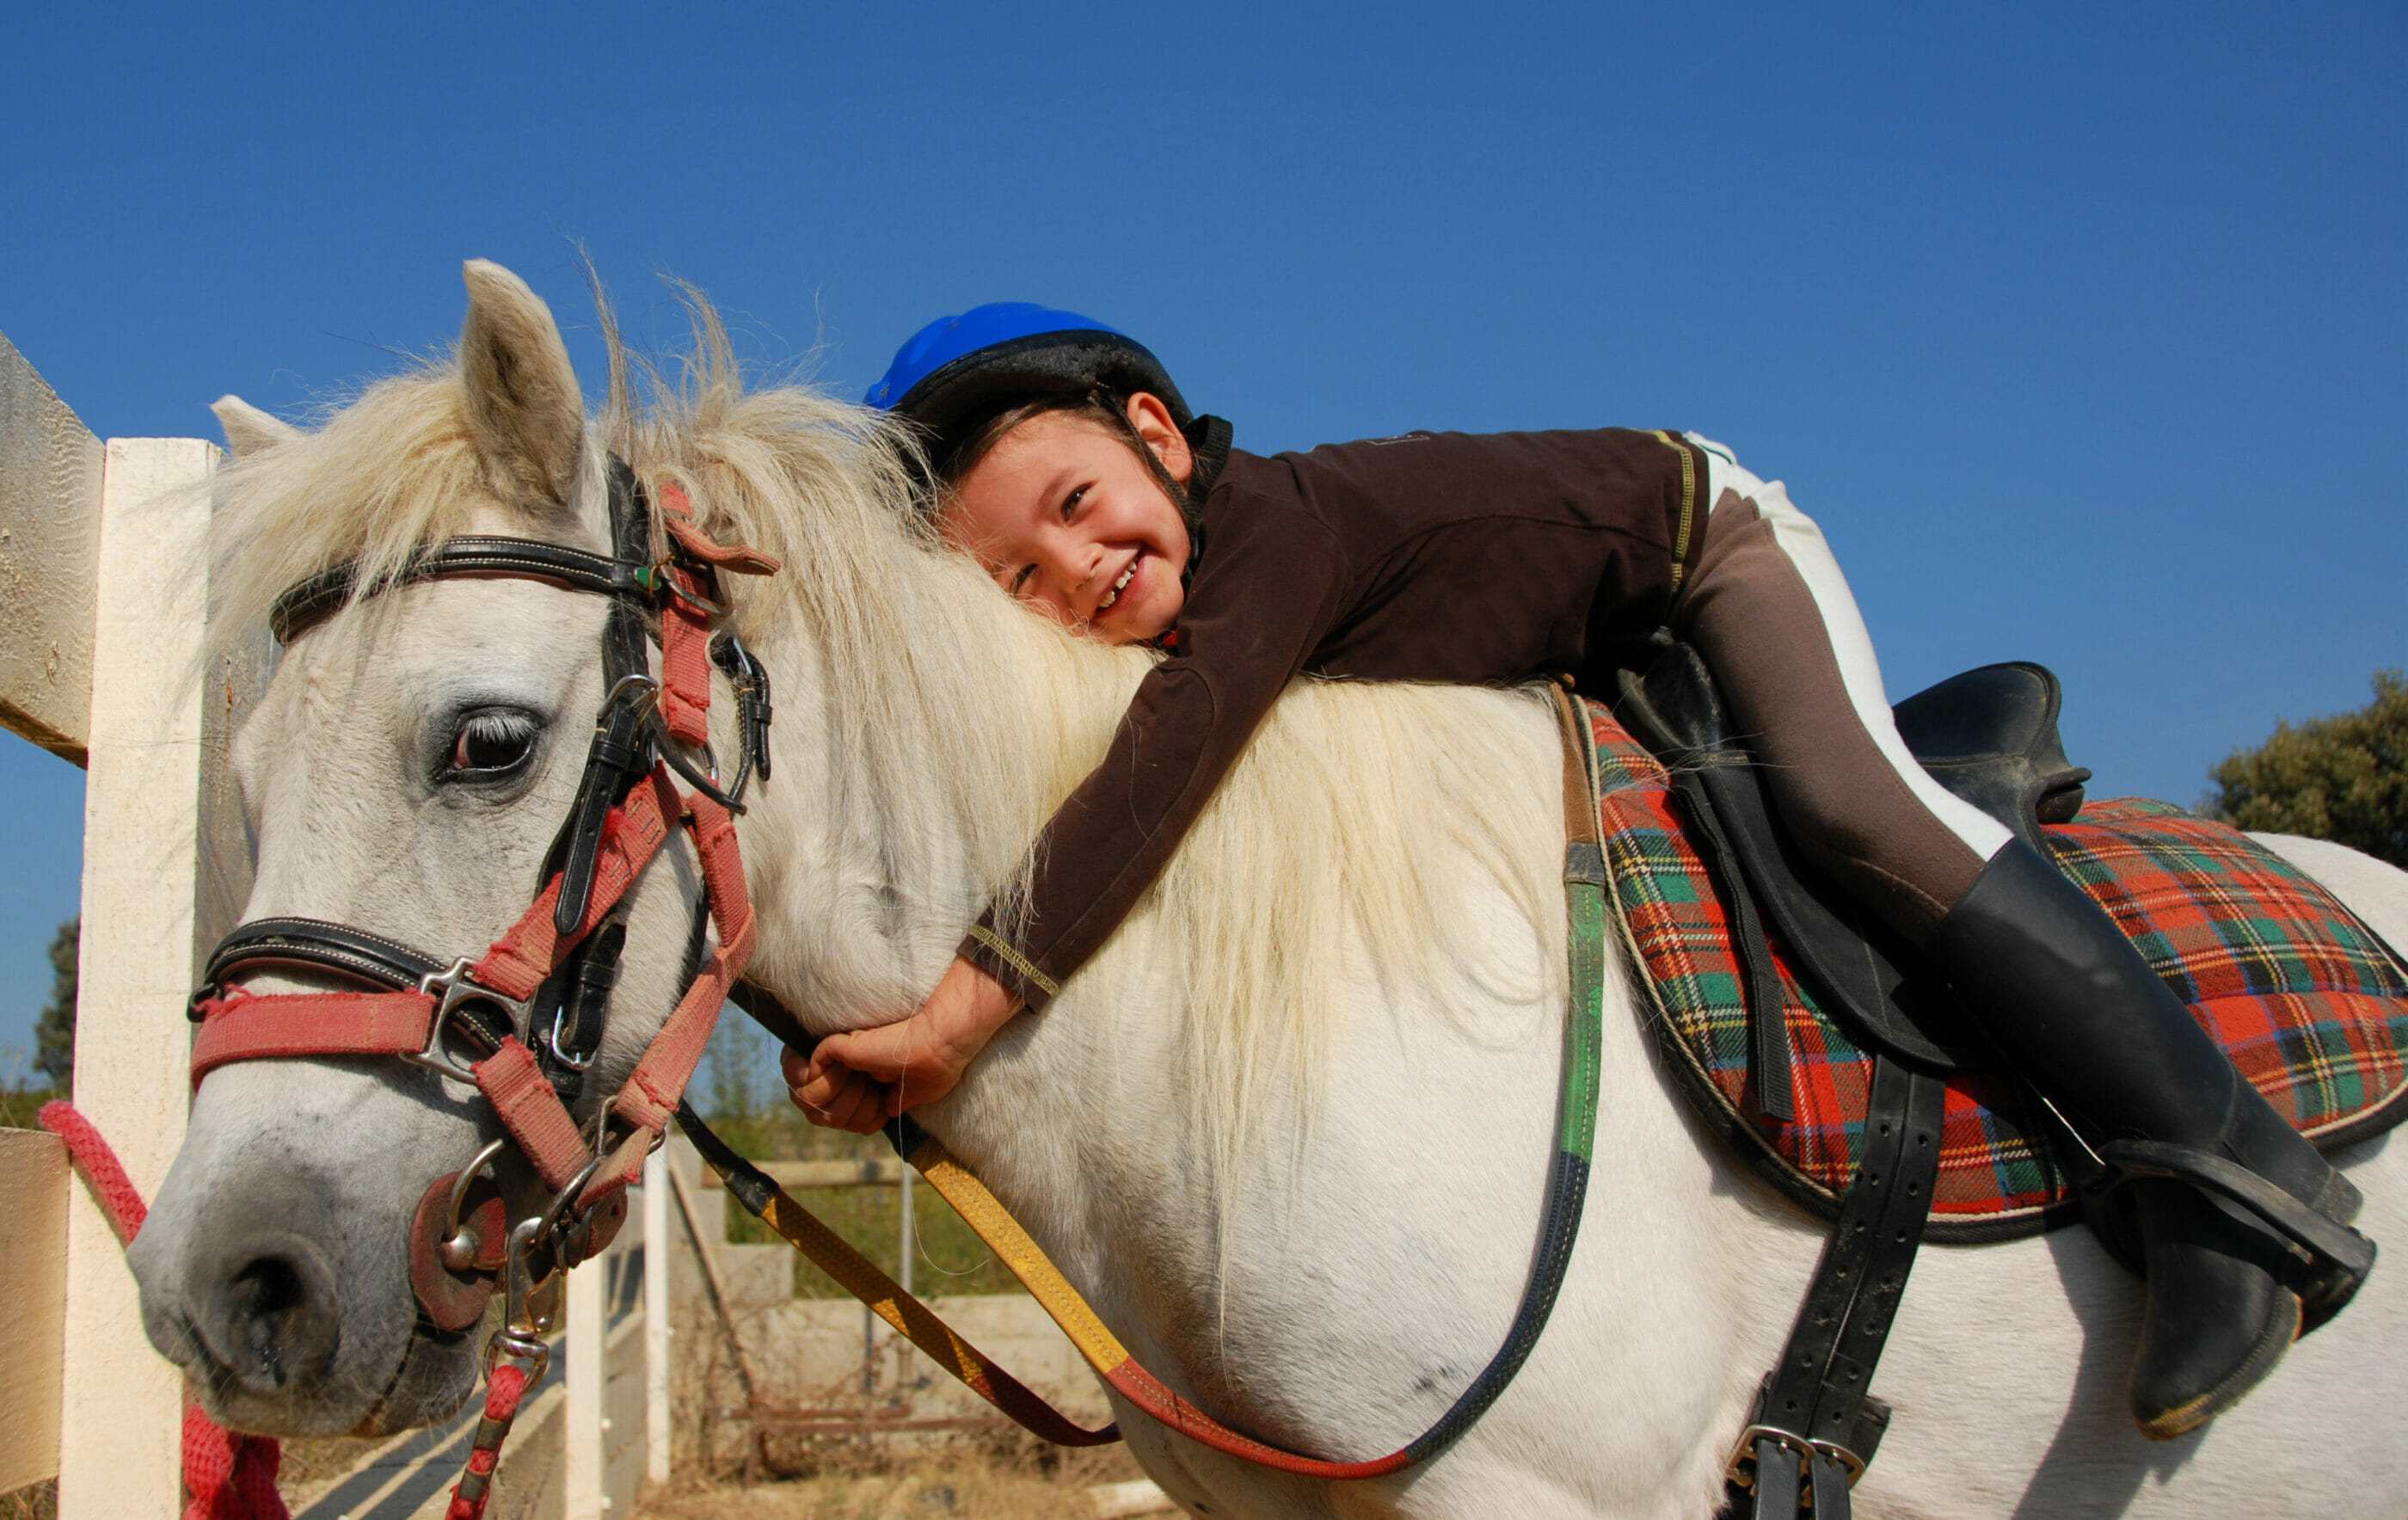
267 1293
273 1318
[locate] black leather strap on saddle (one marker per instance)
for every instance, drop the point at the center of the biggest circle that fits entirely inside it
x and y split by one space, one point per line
1817 1424
1712 779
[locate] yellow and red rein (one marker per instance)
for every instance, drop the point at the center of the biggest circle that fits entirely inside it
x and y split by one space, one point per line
1567 1187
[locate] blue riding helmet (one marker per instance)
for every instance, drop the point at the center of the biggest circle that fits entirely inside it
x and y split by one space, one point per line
957 372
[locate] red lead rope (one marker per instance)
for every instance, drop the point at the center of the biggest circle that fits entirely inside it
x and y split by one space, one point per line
504 1387
229 1476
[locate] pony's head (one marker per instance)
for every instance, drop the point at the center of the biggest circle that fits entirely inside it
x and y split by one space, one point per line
407 772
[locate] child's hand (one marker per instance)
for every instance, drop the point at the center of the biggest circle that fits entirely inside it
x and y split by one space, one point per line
859 1080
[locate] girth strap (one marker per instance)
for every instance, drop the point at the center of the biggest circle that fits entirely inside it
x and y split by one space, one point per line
1814 1420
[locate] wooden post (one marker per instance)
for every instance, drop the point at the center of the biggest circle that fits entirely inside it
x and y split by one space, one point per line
656 1196
32 1282
582 1451
120 1419
50 537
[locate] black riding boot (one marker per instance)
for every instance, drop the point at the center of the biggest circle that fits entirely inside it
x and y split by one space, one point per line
2235 1267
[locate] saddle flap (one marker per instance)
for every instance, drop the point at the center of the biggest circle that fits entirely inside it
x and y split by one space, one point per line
1870 977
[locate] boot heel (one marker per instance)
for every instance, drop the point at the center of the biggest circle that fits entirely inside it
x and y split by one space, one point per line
2218 1321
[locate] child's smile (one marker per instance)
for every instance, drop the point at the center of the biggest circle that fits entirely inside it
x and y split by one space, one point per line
1065 516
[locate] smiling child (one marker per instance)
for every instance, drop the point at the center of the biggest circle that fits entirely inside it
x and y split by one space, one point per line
1067 462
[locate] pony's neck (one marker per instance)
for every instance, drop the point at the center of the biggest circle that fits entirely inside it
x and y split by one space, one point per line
928 729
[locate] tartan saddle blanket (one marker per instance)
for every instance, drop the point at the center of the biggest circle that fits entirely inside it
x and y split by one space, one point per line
2310 1005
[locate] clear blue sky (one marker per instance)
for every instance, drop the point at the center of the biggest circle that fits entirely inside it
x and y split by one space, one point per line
2082 330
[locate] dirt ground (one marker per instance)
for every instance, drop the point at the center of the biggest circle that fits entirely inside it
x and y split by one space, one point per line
954 1483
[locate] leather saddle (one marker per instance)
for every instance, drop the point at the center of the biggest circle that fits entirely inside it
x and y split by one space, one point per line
1990 736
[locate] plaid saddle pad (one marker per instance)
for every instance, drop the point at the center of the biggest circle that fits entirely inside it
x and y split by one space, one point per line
2308 1002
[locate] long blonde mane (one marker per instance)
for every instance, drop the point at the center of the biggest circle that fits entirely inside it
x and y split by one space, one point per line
957 722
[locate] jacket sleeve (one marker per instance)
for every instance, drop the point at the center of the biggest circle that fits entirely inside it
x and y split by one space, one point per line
1266 591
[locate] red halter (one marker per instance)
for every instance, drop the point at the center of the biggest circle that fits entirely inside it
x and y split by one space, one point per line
633 750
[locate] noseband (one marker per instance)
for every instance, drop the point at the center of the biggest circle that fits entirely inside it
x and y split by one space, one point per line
525 1020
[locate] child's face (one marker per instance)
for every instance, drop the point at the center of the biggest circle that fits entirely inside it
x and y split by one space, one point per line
1066 517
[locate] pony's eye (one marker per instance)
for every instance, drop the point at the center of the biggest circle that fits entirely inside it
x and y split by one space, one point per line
492 741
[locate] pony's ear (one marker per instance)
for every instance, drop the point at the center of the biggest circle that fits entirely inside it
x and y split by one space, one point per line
523 404
247 429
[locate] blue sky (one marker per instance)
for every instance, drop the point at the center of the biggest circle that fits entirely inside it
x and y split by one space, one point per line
2082 331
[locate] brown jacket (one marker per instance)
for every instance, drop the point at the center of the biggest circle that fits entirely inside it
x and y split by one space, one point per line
1473 559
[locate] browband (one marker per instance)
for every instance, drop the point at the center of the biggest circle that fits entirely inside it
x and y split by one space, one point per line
579 569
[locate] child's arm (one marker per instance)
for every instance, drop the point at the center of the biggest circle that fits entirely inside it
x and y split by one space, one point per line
859 1080
1273 582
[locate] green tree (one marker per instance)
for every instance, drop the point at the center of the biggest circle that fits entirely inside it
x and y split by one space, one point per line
54 1033
2344 778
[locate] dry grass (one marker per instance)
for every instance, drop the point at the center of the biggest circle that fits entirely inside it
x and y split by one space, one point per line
35 1501
1009 1479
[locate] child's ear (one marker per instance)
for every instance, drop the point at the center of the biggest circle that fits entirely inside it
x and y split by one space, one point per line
1152 420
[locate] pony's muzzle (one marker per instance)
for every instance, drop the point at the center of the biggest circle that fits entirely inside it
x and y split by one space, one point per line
267 1313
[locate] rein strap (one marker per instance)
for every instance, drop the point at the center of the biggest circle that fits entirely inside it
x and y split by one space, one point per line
1559 1221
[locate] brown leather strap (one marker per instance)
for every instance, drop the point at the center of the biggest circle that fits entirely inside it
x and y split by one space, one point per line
1580 769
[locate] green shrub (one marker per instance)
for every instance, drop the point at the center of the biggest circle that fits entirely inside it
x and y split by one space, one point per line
2344 778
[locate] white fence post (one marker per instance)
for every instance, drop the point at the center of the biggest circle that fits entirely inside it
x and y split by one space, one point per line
32 1284
120 1420
581 1449
656 1195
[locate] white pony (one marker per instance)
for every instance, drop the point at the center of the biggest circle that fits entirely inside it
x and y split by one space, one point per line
1289 1131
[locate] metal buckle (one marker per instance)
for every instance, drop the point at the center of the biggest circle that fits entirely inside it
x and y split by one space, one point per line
1846 1458
573 1062
664 586
531 1307
450 989
1741 1469
571 1237
651 688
